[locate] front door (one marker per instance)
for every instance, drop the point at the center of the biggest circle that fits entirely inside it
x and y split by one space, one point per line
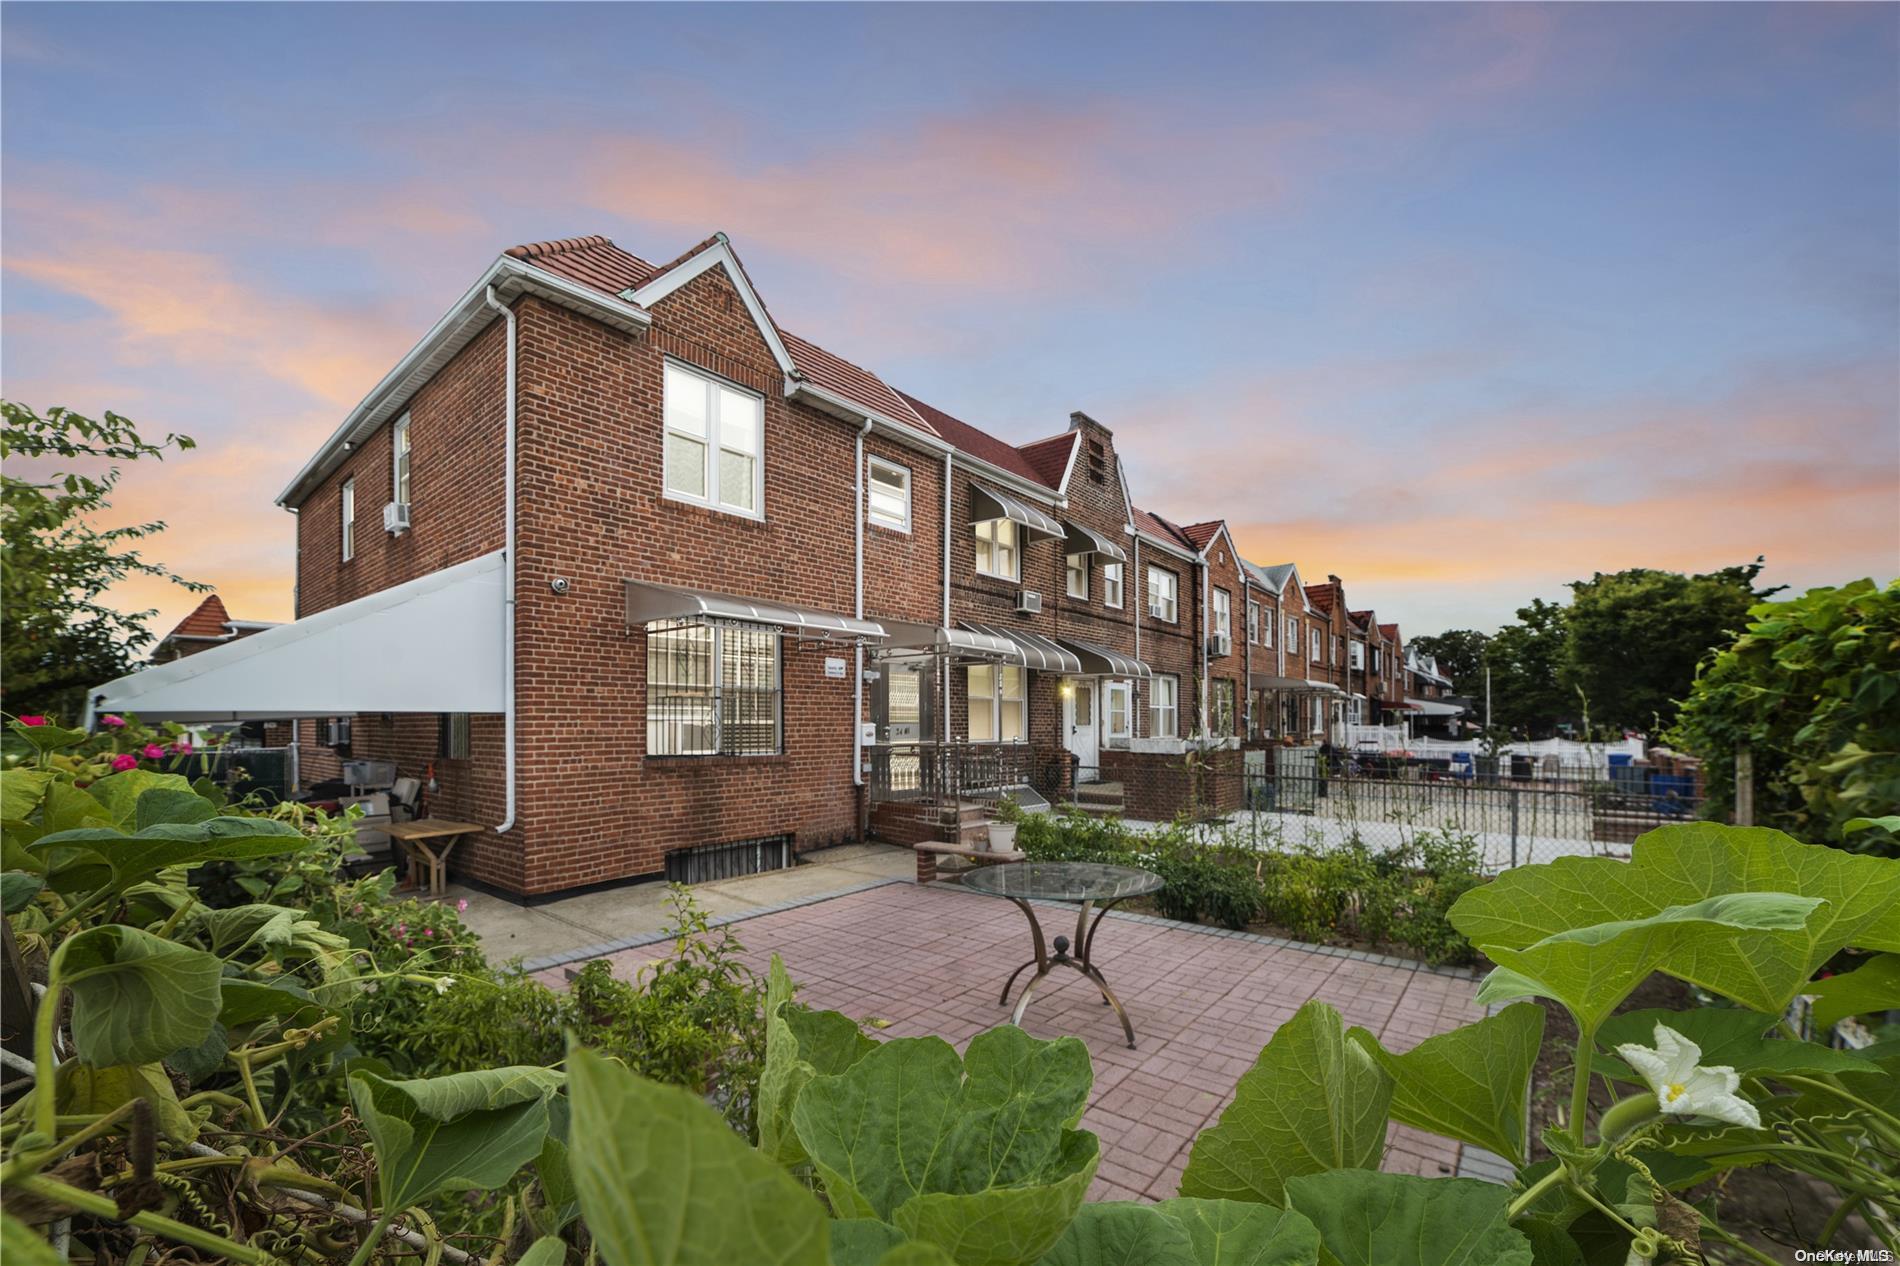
900 705
1084 738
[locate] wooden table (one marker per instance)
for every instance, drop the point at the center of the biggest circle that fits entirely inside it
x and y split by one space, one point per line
420 840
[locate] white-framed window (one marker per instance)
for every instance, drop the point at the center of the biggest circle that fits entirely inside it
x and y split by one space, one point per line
349 518
1112 585
715 436
887 493
399 461
1253 624
996 551
1316 711
1117 705
1078 575
1266 628
1359 655
712 689
1164 707
1316 646
1221 707
1223 620
999 712
1163 590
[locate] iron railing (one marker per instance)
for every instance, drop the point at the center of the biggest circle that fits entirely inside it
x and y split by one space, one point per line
947 772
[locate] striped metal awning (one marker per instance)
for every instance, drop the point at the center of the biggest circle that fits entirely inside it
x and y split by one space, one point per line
648 601
1267 681
1031 650
1099 661
1082 540
956 643
987 503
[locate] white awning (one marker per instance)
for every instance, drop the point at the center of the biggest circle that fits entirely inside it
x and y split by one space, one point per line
648 601
1433 708
1083 540
1031 650
1100 661
1323 687
957 643
987 503
433 644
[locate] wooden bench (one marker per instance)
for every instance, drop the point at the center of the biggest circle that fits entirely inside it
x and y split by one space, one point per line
928 851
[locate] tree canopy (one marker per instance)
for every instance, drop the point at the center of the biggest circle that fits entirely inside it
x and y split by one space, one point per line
58 637
1459 654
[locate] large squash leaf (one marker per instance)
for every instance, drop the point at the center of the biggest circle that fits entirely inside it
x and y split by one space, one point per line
1369 1219
17 890
20 792
1468 1084
1122 1233
663 1181
1593 967
136 997
799 1044
463 1131
120 792
978 1155
141 855
1240 1233
1743 1040
1873 986
1313 1101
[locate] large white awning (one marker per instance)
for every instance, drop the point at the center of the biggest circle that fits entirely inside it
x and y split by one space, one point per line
433 644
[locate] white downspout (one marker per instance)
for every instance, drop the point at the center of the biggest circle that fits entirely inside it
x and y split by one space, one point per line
1207 655
1134 593
857 688
1246 654
943 698
508 575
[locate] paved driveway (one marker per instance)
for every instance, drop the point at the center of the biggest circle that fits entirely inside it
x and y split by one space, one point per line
933 960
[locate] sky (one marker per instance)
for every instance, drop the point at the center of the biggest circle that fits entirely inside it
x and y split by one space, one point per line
1458 303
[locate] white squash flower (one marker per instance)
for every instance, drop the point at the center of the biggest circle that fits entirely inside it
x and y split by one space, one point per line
1684 1088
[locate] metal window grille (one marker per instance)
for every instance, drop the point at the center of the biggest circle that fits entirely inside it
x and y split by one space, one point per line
705 862
452 736
712 689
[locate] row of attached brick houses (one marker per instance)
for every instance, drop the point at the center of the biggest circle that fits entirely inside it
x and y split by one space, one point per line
758 595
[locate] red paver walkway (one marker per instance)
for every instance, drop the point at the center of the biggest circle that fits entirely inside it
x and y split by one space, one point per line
933 960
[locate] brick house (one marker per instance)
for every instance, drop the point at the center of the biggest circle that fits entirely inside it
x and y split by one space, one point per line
208 625
633 574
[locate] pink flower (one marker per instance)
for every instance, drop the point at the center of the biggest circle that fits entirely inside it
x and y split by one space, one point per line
33 720
124 761
182 747
153 751
402 929
461 904
428 931
114 722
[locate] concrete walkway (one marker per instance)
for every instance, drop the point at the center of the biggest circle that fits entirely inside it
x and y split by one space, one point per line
909 960
596 923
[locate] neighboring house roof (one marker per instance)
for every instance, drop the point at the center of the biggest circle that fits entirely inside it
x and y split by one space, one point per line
593 261
1276 577
1159 528
1390 632
1361 620
207 619
979 443
1200 534
1322 595
1050 458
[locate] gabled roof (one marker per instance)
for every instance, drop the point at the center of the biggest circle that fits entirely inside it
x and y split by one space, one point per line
593 261
207 619
978 443
1050 458
1389 631
1322 595
1278 576
1200 535
1361 620
1155 526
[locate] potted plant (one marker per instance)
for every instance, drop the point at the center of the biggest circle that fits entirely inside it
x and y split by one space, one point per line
1005 818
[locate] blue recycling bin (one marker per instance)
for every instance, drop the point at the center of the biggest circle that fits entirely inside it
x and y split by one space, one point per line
1461 765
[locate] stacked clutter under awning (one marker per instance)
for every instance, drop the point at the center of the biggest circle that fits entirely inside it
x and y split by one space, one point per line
649 602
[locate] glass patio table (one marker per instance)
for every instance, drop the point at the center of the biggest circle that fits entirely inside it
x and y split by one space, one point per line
1089 885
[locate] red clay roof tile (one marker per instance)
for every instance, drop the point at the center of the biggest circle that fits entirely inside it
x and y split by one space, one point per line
1050 457
207 619
977 443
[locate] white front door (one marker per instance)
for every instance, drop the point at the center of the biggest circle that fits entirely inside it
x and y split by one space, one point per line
1079 712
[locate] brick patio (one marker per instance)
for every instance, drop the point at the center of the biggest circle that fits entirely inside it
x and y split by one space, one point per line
933 960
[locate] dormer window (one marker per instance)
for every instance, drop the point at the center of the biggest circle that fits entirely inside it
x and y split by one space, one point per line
714 439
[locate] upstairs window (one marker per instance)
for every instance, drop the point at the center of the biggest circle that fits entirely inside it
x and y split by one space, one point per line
349 519
1112 585
996 552
1266 628
1163 590
1358 659
1164 707
888 490
1253 624
712 689
1316 647
1223 621
1293 635
714 437
1078 574
399 461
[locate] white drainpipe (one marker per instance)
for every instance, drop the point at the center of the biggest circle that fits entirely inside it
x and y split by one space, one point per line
508 575
1134 593
857 689
1246 653
943 699
1207 654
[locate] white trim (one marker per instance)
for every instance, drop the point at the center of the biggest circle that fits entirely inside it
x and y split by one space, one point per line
1121 586
712 498
873 460
1174 599
719 253
402 461
1169 547
1016 550
456 328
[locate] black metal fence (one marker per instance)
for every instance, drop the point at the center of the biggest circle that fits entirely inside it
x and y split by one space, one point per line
947 772
1515 815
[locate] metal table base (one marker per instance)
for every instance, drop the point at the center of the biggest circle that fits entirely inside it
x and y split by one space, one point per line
1045 962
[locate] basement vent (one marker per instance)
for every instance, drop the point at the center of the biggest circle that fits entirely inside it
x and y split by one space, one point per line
705 862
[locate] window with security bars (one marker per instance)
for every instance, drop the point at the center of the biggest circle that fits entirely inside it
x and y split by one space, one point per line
712 689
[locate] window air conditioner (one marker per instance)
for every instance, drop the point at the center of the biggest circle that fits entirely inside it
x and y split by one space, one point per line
1028 602
396 517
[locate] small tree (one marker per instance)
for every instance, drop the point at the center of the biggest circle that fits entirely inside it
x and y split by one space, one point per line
1813 689
1459 654
58 638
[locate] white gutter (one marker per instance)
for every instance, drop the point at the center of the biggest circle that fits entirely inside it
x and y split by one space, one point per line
857 686
508 573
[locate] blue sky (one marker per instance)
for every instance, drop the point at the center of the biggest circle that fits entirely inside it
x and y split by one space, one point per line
1458 302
